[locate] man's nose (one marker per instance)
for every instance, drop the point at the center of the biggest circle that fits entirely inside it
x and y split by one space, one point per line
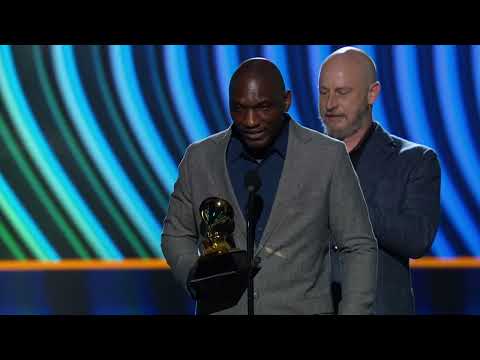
331 102
250 119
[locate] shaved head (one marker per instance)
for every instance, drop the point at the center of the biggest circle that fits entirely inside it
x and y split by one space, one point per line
357 59
348 87
258 102
260 69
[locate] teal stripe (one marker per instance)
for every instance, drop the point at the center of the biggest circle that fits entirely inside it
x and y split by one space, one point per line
186 101
122 132
161 98
83 163
100 151
26 124
24 224
40 193
10 243
139 117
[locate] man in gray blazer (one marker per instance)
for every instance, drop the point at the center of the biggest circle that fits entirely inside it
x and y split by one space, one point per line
309 193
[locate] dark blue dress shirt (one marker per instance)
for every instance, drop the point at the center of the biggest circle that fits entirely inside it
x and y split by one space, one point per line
269 169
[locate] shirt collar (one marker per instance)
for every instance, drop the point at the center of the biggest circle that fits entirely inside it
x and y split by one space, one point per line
237 149
364 140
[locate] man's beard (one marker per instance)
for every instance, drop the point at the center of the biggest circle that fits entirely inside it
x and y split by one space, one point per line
350 129
343 133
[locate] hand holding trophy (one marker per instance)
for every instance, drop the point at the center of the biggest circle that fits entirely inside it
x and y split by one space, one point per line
220 276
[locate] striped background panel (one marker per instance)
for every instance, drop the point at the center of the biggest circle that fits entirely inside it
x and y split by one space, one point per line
92 135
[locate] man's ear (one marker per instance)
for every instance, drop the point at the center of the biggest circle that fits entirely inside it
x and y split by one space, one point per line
373 92
287 101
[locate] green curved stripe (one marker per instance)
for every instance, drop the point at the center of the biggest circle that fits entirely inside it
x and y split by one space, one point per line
36 186
46 163
24 232
75 149
122 132
10 243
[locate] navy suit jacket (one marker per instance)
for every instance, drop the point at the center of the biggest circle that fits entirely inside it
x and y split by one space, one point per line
401 184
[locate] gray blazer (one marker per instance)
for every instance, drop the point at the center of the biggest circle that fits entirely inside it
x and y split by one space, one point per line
318 197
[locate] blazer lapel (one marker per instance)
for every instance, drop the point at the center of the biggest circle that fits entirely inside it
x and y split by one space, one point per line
374 162
288 184
223 185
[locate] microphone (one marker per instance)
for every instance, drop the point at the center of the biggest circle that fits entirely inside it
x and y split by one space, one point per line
252 181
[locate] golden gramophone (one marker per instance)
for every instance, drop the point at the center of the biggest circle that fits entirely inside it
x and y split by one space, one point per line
219 277
217 226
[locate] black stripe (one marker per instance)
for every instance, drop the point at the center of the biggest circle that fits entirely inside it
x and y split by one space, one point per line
217 92
384 56
201 76
298 68
89 82
435 123
5 253
145 82
26 195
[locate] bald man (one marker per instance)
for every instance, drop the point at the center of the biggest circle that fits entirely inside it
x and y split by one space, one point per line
300 204
400 179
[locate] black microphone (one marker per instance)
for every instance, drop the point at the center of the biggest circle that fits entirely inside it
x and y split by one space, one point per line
252 183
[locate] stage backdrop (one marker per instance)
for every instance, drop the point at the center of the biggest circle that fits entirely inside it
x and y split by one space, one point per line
91 137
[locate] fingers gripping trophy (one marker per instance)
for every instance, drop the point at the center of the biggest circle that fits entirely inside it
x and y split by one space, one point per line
220 276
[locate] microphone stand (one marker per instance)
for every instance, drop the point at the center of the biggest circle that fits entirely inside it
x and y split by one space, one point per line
250 246
252 183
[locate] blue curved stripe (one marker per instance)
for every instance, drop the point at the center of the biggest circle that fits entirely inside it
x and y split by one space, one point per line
416 124
379 113
122 132
476 73
227 60
139 117
441 246
316 56
26 124
161 99
186 103
99 149
210 99
42 248
278 55
455 118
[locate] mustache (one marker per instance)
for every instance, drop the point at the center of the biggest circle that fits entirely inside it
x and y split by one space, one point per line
320 117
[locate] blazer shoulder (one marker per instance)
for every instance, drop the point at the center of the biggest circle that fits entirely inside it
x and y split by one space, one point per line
206 143
319 139
412 149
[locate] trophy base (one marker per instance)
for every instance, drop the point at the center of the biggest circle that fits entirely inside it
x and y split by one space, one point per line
219 281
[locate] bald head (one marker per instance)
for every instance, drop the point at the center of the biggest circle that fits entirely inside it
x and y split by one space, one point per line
258 103
348 87
259 69
353 59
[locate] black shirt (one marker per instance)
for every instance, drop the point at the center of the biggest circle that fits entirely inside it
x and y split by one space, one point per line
356 152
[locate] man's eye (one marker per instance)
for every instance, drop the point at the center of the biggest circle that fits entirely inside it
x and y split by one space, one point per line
263 107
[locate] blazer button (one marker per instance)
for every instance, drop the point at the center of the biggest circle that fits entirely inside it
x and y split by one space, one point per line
335 248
